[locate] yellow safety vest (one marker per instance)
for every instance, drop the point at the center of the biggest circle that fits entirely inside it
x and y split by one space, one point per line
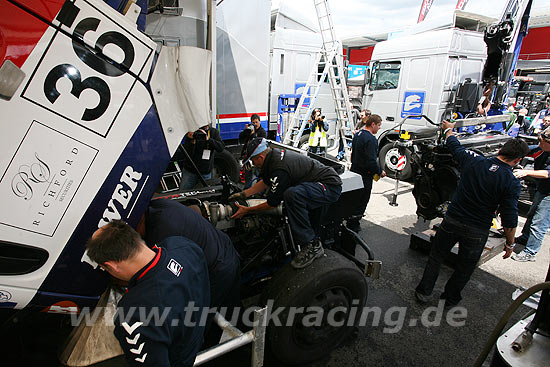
318 138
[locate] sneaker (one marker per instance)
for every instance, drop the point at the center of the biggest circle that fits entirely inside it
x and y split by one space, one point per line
421 298
308 254
523 256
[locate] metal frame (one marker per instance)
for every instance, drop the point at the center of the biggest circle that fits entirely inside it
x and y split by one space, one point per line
232 338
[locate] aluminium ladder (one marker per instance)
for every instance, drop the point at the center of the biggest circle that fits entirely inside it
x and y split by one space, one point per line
330 58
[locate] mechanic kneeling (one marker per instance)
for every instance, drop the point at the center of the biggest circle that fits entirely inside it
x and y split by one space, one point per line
306 186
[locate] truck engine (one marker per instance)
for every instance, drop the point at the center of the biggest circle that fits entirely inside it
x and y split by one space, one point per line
265 244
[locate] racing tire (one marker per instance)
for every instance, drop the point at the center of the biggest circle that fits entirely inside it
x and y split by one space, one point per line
388 157
330 283
226 164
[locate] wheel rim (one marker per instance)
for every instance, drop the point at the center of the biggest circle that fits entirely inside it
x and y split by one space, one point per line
313 336
392 159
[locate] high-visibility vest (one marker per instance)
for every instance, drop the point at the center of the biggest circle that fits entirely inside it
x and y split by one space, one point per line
318 138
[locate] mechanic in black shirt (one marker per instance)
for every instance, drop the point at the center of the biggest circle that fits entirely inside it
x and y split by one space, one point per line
486 185
165 218
304 184
170 281
200 145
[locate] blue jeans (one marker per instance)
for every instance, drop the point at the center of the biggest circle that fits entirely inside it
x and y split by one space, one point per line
306 203
471 242
190 179
537 224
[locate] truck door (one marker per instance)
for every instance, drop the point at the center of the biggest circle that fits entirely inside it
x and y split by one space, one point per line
383 93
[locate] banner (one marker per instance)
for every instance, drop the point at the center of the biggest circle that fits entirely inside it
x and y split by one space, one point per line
461 4
424 9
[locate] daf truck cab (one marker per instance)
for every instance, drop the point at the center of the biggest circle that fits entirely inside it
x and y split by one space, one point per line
420 73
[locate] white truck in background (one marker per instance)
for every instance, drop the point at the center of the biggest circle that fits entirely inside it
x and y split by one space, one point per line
440 68
295 42
252 69
420 73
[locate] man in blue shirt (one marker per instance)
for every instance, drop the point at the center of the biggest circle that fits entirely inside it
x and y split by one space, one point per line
169 281
165 218
538 218
364 161
486 185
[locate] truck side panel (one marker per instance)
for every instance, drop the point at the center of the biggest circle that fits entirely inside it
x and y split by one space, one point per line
82 143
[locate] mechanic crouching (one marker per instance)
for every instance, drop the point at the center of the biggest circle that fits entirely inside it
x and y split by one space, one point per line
169 280
306 186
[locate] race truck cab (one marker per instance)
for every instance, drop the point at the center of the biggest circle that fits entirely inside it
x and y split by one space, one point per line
93 111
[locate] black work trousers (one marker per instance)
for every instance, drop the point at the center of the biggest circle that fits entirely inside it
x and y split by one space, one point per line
471 242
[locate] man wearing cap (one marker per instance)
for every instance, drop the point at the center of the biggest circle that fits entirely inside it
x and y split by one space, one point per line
538 217
305 185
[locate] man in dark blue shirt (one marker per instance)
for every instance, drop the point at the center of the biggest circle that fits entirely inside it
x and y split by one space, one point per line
364 161
487 185
165 218
158 321
538 217
305 185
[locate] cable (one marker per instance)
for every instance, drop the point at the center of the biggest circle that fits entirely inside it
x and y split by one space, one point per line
504 320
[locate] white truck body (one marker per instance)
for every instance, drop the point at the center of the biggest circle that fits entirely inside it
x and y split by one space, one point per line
418 73
295 43
242 56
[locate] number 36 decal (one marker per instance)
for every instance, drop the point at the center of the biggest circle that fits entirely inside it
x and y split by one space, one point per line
89 58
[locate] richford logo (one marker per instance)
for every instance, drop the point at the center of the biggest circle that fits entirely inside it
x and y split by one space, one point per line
38 176
30 176
42 179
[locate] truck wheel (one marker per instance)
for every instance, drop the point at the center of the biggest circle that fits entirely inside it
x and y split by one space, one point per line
225 164
330 283
388 158
304 142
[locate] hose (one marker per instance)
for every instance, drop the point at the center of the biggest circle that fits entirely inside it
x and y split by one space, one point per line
504 320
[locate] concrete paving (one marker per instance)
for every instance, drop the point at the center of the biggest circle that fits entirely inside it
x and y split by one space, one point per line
407 334
387 230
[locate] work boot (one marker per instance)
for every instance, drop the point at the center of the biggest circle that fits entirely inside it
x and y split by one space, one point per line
308 254
422 298
354 225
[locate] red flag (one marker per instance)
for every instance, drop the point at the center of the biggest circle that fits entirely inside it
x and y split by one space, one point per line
424 9
461 4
